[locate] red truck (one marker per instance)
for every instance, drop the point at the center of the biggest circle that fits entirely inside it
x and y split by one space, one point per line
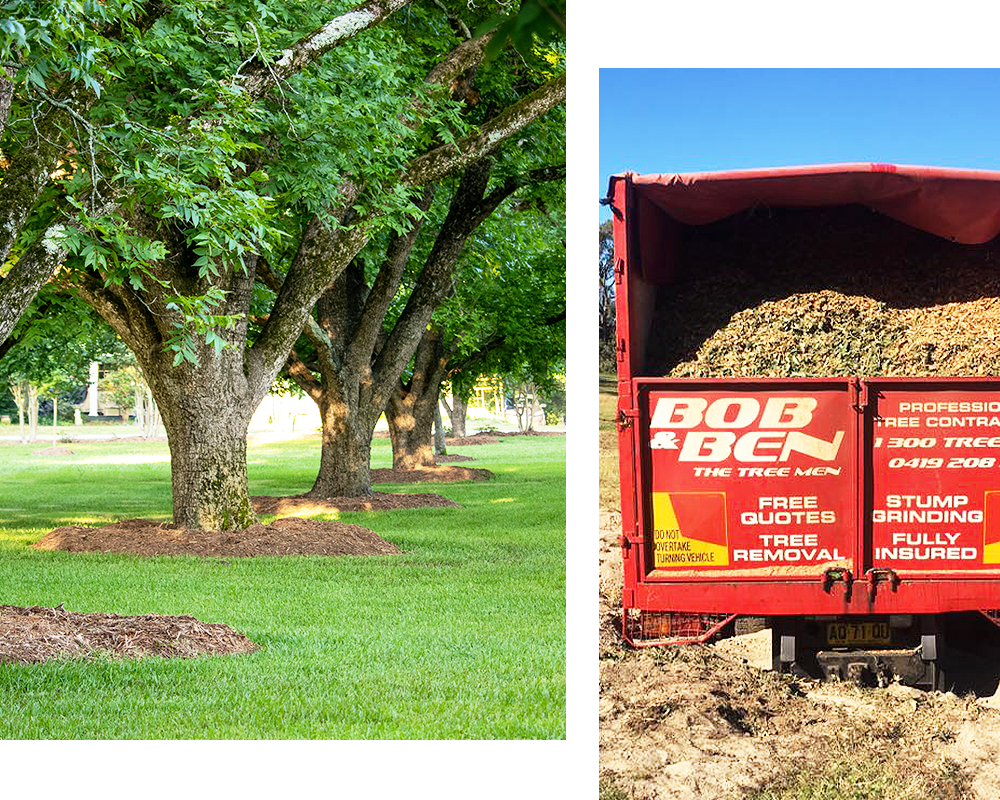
854 516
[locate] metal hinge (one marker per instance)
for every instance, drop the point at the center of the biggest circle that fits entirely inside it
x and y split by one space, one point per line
833 575
625 418
878 575
620 350
630 540
860 395
619 270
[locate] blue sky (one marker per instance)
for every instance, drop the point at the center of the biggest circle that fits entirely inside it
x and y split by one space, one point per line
680 120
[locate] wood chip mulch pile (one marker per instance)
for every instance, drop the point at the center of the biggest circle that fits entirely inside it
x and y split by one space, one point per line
379 501
287 536
53 451
32 635
476 438
524 433
827 292
437 474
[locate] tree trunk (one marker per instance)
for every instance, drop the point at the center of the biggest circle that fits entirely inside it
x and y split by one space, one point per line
32 413
456 413
410 420
440 449
139 409
18 390
411 407
534 408
345 460
151 415
55 403
522 405
207 437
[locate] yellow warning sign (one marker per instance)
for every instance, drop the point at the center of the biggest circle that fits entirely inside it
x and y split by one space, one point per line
689 530
991 528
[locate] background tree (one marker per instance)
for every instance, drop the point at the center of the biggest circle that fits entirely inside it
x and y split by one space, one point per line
506 312
369 323
45 363
121 386
49 357
200 141
606 295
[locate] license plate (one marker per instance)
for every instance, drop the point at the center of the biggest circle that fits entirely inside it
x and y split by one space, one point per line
850 633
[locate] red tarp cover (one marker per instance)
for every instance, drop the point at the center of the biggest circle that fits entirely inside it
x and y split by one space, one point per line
958 204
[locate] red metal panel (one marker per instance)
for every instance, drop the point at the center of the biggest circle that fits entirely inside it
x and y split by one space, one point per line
625 407
813 597
735 515
622 276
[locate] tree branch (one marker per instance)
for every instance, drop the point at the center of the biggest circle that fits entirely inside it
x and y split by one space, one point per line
303 377
435 278
363 340
261 78
31 271
451 158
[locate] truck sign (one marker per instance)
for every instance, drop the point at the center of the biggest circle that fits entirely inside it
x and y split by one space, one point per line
936 483
752 477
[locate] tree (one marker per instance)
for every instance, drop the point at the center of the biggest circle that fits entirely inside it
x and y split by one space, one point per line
369 323
507 314
50 350
221 141
49 357
362 350
606 294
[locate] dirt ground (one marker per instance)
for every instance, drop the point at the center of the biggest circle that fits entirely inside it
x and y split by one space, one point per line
31 635
46 452
476 438
703 721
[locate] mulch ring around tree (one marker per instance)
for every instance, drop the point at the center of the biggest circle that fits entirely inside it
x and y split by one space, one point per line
436 474
53 451
32 635
379 501
523 433
494 437
283 537
449 458
478 438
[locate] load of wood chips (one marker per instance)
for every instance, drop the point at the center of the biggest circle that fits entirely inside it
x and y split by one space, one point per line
826 292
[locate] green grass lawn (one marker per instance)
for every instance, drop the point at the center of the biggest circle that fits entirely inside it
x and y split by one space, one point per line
462 636
610 496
